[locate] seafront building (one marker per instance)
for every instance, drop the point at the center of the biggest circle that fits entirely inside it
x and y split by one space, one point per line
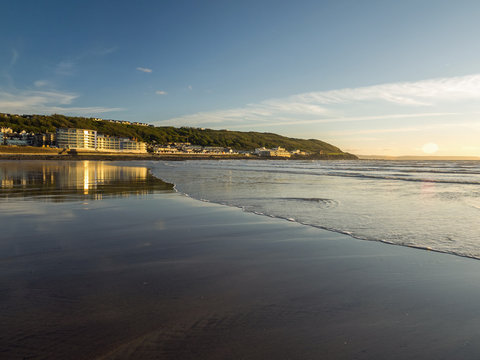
112 143
278 151
46 139
76 139
187 148
24 138
90 140
5 130
105 142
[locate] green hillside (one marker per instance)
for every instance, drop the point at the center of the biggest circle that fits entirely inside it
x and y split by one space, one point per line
165 134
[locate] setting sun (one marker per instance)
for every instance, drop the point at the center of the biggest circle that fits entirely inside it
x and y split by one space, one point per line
430 148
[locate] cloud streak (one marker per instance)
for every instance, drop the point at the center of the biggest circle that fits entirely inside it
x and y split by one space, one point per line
161 92
14 58
420 93
385 101
469 125
45 102
65 68
356 118
145 70
42 83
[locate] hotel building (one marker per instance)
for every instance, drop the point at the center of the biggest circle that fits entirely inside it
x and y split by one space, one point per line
90 140
76 139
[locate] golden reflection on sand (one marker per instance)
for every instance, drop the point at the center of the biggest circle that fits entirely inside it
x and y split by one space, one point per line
92 179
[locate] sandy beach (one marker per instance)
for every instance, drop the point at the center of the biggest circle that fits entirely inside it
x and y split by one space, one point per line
239 180
163 276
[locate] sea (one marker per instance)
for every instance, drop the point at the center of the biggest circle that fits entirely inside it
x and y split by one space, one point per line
432 205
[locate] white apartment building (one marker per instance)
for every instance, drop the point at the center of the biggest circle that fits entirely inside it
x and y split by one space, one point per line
112 143
133 146
83 139
108 143
76 139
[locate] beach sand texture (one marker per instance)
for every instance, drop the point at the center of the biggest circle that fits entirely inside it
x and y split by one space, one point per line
162 276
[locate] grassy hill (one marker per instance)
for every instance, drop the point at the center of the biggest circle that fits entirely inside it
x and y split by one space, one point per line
165 134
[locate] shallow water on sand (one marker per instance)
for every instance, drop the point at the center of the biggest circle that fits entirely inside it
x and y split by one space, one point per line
426 204
103 261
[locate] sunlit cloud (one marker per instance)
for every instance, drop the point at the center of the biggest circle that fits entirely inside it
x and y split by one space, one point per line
385 101
420 93
465 125
160 92
471 148
145 70
46 102
353 119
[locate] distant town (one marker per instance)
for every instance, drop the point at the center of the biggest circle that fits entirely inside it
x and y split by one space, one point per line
88 140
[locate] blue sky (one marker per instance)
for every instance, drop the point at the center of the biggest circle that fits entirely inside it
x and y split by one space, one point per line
373 77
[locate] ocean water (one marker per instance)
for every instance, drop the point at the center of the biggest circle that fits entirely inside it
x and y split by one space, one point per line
426 204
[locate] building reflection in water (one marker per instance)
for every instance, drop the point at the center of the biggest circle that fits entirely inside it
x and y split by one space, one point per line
65 180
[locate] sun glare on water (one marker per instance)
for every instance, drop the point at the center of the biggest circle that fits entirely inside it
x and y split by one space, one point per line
430 148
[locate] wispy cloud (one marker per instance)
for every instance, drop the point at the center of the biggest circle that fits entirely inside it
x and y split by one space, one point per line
355 119
145 70
385 101
42 83
419 93
65 68
69 65
46 102
100 51
14 58
161 92
470 125
189 87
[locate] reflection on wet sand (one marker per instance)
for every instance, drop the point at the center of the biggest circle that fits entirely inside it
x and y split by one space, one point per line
162 276
67 181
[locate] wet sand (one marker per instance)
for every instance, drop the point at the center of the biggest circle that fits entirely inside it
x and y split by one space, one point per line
162 276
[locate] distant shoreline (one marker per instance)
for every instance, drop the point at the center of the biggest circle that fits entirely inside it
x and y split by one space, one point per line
183 157
136 157
114 157
417 158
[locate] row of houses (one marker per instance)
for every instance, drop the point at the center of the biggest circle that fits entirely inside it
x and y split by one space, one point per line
91 140
277 152
123 122
187 148
23 138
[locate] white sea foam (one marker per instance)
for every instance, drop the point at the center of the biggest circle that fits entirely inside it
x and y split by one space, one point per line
425 204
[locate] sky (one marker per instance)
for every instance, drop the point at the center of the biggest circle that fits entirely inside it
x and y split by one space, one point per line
382 77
